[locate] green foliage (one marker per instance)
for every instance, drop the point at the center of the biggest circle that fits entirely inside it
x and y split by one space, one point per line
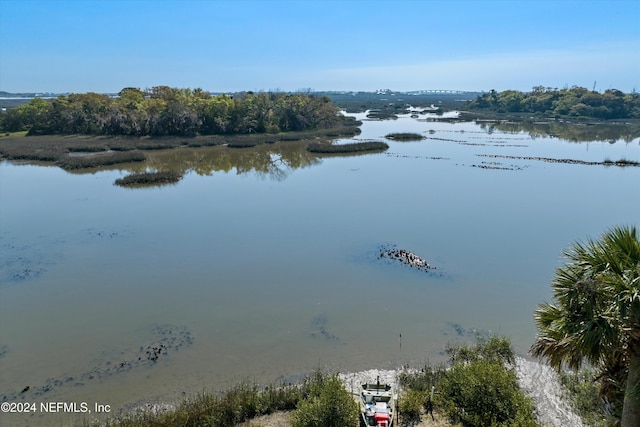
480 389
410 405
596 316
577 102
425 379
327 404
582 391
483 393
26 116
163 110
494 350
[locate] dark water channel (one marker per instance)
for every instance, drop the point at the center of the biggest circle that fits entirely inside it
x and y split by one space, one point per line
262 263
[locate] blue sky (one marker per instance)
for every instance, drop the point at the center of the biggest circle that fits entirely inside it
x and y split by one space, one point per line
219 45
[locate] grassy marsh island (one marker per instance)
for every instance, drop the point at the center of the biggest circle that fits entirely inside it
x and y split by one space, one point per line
404 136
358 147
149 178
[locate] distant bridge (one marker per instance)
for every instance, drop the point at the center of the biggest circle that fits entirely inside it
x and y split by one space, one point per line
437 92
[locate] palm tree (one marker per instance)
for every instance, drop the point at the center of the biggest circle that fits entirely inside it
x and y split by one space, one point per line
596 317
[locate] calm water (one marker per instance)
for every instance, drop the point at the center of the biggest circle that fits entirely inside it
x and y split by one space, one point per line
261 264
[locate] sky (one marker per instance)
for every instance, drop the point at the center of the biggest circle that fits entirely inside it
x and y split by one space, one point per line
346 45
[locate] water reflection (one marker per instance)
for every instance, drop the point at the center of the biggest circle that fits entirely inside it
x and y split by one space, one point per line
568 131
272 161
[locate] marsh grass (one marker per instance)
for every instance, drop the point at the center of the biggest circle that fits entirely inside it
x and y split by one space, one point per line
100 159
149 179
319 147
233 407
56 148
404 136
252 140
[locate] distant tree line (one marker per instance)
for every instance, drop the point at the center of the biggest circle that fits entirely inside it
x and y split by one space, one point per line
164 110
576 102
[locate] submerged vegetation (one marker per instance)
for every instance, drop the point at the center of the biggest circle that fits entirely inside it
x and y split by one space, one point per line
573 102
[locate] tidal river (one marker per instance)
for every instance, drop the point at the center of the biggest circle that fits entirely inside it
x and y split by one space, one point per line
263 264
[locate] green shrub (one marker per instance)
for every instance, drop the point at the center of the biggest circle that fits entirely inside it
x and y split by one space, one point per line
327 404
582 391
483 393
494 349
422 381
410 405
480 389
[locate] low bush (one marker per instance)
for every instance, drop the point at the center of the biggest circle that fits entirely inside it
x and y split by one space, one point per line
480 388
410 406
327 404
484 393
493 349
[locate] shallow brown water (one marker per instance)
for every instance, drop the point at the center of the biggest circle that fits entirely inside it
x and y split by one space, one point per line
262 263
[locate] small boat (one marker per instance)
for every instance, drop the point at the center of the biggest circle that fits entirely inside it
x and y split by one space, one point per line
377 404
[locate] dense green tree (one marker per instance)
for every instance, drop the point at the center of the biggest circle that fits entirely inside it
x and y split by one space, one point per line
596 317
577 101
163 110
26 116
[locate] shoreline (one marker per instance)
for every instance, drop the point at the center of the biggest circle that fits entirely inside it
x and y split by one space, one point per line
537 380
